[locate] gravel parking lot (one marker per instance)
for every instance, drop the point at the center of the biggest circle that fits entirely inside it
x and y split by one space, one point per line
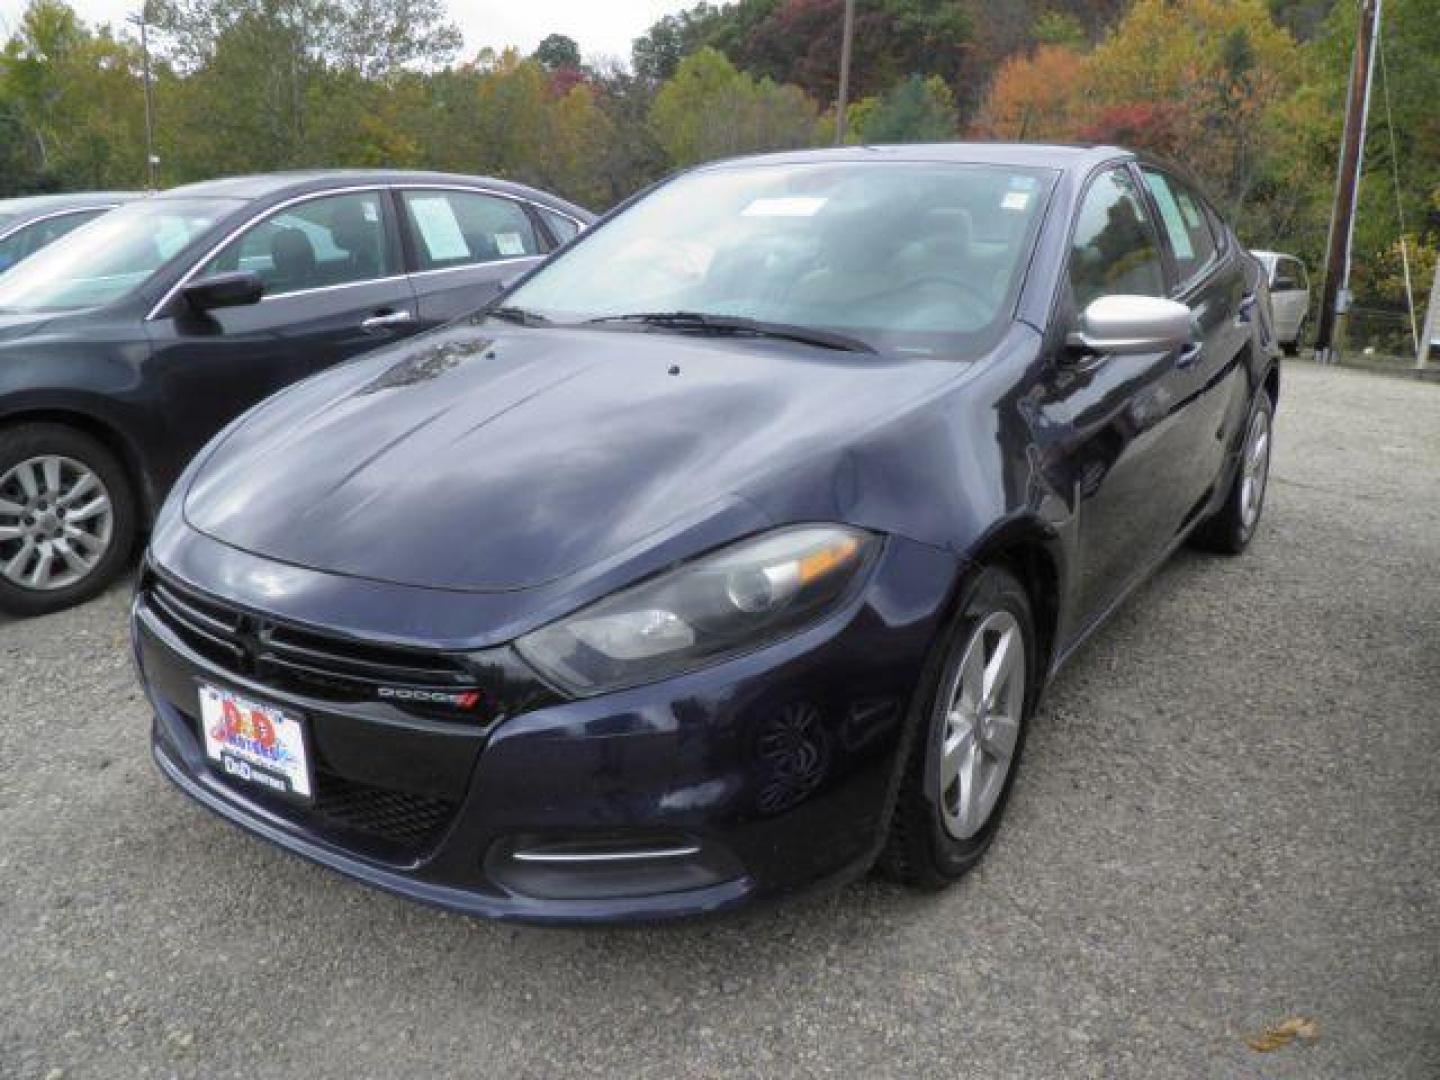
1229 814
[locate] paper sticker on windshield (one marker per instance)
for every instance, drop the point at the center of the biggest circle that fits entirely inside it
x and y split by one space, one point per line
1022 183
793 206
1015 200
509 243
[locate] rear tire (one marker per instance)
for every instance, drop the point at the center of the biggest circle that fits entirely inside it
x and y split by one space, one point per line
67 518
1231 529
952 797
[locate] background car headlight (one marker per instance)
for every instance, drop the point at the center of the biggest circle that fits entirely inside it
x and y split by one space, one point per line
725 603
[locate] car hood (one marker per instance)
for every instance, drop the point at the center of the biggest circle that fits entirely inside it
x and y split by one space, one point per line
485 459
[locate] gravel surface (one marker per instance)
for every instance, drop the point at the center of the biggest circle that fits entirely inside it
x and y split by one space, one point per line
1229 814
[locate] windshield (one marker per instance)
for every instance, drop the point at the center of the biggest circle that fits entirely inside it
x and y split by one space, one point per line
919 257
110 257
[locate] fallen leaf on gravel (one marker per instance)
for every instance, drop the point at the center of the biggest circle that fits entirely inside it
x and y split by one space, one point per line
1283 1034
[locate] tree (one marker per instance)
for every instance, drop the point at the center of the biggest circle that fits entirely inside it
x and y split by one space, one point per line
1213 69
1039 96
915 110
710 110
71 104
557 52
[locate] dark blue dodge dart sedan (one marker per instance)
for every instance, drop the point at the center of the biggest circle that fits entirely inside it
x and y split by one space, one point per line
730 550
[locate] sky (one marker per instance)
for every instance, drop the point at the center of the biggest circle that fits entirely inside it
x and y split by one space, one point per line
603 28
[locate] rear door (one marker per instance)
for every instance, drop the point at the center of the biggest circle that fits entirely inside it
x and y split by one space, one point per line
334 288
1289 296
1208 277
464 244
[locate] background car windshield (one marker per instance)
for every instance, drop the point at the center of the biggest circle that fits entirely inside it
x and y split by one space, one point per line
108 258
917 257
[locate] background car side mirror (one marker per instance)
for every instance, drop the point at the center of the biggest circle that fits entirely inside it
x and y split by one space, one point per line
223 290
1125 325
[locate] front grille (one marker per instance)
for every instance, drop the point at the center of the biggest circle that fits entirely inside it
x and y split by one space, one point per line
305 661
394 816
383 822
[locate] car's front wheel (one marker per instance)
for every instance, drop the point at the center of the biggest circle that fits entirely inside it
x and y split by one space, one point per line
67 518
970 735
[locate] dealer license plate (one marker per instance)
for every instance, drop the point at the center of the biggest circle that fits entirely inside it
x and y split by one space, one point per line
256 744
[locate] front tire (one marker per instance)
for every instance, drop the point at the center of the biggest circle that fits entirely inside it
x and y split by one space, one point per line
67 518
963 760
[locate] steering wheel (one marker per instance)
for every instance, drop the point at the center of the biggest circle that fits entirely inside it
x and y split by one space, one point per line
969 292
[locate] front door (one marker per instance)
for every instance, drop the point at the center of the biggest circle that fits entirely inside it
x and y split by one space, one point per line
334 288
1115 422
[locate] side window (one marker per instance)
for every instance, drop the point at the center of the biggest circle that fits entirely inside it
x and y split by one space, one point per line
458 228
564 229
1115 249
331 240
1185 224
23 243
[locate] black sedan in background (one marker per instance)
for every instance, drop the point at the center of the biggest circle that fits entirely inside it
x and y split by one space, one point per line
35 222
127 345
729 552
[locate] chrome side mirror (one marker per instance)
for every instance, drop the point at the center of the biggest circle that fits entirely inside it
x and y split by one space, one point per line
1126 325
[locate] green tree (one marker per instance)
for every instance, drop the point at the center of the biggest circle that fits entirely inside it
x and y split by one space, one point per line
557 52
917 109
710 109
71 103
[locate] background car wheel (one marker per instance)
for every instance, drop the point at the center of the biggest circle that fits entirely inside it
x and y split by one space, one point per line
67 518
1292 347
964 757
1232 528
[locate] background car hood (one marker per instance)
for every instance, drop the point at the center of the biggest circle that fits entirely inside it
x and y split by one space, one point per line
483 458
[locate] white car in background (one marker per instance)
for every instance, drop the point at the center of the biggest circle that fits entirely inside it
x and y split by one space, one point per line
1289 296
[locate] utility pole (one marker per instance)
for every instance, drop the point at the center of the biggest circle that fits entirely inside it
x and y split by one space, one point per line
1335 297
1432 322
847 41
150 159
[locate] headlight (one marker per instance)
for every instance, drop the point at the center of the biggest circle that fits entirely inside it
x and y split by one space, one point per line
729 602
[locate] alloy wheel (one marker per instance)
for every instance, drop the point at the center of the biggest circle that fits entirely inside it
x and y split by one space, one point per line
981 726
56 522
1255 468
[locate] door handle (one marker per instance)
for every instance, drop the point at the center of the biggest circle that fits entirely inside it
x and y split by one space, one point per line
387 321
1246 307
1189 354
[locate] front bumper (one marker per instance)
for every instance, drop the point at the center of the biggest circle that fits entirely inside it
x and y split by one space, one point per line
755 777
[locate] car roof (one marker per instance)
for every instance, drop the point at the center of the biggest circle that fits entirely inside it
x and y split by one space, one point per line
31 205
278 185
1059 156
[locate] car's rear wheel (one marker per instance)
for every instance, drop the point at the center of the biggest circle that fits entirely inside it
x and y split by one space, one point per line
1233 526
67 518
963 760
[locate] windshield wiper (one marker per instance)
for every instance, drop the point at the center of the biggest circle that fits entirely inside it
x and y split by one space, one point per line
737 324
519 315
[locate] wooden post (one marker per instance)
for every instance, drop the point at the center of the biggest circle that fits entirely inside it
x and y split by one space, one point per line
846 43
1334 299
